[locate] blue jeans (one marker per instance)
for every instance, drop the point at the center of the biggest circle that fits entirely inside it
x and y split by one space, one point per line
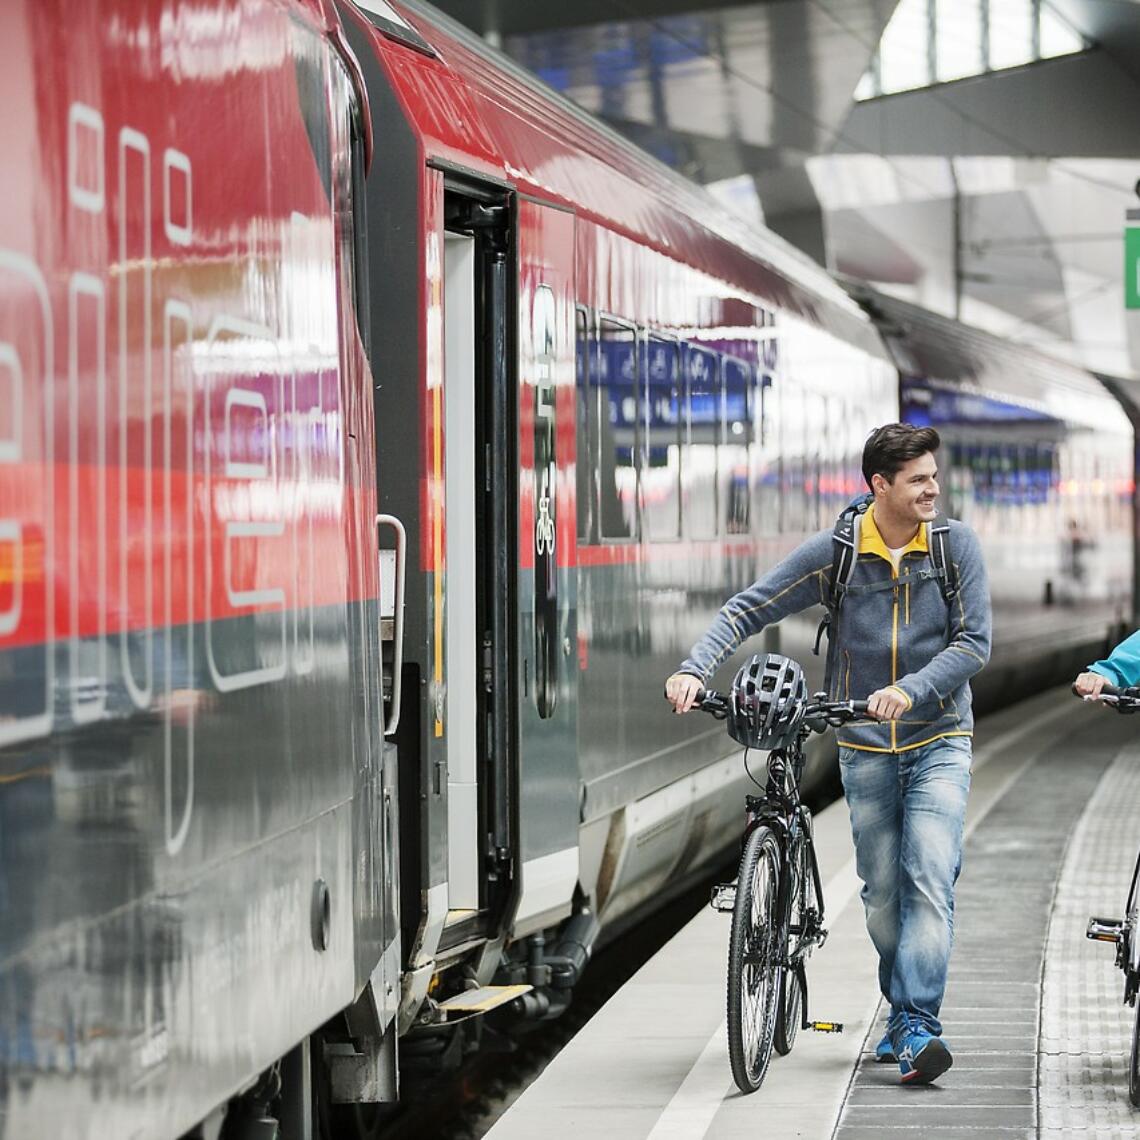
908 811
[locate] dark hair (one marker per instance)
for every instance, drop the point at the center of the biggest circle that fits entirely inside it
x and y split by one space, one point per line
890 446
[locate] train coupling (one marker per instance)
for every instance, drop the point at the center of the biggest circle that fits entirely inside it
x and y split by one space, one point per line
723 897
826 1026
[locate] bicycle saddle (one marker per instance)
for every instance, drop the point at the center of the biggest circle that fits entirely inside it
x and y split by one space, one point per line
767 703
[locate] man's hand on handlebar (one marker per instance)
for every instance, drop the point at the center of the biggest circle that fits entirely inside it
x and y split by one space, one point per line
681 691
1090 686
886 704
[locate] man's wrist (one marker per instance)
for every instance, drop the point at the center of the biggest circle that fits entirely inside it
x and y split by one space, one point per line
904 694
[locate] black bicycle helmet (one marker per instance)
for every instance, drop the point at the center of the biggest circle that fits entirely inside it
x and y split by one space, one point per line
768 699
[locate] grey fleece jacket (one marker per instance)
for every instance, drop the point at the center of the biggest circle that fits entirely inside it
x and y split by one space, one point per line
893 630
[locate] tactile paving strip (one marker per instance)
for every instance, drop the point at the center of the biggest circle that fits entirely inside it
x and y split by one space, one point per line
1086 1030
1012 865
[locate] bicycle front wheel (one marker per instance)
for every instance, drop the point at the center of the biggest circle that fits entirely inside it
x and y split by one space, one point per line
754 954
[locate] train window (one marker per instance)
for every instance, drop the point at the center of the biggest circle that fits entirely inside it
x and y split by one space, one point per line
617 384
349 201
661 454
702 437
733 458
765 458
793 473
834 499
815 448
586 341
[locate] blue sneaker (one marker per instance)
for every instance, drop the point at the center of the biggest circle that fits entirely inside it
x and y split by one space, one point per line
884 1051
922 1057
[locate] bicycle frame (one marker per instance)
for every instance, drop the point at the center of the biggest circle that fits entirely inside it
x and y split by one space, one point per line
781 809
768 947
1123 933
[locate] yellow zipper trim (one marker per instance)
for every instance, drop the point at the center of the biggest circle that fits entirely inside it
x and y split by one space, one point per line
908 748
895 647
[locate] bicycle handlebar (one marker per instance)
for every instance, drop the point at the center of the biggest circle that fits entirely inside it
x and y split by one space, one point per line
1122 700
818 715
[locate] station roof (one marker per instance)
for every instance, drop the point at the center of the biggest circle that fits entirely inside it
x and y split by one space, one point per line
998 197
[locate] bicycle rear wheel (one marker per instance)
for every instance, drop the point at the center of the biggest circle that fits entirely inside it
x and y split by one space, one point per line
802 901
754 955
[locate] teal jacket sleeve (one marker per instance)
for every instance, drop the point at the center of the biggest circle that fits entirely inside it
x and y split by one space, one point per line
1122 665
795 584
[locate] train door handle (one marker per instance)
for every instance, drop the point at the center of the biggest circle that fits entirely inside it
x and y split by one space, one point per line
399 570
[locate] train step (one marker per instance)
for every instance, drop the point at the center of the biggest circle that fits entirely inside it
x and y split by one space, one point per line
474 1003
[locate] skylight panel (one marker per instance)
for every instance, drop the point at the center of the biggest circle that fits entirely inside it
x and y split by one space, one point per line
937 41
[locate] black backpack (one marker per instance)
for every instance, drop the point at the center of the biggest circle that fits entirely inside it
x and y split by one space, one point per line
845 554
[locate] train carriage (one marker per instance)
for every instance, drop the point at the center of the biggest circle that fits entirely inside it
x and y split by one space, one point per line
190 682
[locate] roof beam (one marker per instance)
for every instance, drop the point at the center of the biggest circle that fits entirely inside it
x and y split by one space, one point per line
1000 113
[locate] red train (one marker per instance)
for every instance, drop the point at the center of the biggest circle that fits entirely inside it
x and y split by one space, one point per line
376 432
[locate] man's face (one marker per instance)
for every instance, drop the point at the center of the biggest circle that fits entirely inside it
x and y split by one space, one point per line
912 495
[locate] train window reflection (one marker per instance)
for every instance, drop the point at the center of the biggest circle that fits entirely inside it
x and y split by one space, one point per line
765 460
586 466
617 385
661 455
737 393
702 436
793 472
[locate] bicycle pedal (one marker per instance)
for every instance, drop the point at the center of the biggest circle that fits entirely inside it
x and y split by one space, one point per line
1104 929
723 897
826 1026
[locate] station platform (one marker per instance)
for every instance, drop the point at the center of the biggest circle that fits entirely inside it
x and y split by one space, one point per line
1033 1010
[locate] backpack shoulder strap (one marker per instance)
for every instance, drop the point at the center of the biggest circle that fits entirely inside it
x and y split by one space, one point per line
844 552
942 556
844 555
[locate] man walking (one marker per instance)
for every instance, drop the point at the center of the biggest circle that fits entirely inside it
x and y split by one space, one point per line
911 630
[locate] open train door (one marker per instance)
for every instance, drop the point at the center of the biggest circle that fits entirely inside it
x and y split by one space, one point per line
548 761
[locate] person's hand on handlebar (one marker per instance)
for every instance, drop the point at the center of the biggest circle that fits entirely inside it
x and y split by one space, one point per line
886 704
681 691
1089 686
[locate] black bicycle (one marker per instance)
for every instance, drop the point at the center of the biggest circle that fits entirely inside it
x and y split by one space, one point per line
776 901
1123 932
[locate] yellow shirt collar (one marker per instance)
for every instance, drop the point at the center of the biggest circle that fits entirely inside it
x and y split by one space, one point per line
871 541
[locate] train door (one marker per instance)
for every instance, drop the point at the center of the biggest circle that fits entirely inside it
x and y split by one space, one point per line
461 642
548 764
478 583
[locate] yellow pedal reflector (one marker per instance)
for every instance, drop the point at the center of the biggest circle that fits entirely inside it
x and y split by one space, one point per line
826 1026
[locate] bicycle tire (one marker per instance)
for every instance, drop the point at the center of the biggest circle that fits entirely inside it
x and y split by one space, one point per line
790 1013
754 971
1134 1060
792 986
